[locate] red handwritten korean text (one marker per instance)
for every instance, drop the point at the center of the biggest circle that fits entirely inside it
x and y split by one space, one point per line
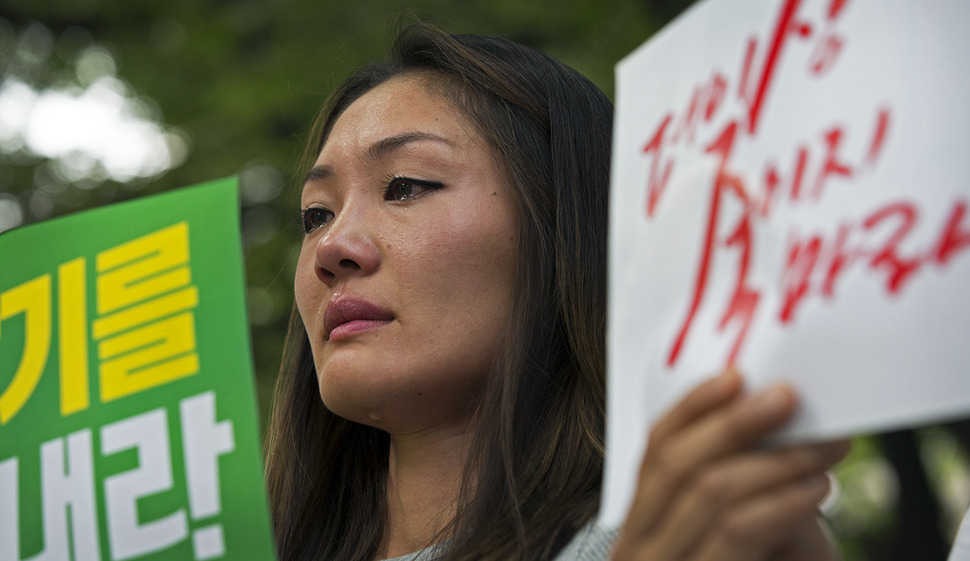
878 243
719 116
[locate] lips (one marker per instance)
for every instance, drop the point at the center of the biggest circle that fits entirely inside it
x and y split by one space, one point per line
346 316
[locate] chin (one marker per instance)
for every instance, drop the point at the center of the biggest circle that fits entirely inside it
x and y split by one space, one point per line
359 396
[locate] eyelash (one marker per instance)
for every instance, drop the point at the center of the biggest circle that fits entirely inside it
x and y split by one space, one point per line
308 214
394 181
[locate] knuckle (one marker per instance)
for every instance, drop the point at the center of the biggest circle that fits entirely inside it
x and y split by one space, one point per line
648 466
738 426
655 454
670 466
802 461
657 435
796 461
713 487
737 531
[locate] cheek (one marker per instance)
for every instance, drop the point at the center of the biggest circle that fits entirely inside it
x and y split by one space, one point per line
305 286
465 268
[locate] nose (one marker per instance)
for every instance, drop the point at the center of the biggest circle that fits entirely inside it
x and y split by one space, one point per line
346 249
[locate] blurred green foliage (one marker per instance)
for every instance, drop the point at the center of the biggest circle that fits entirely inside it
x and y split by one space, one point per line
235 85
240 82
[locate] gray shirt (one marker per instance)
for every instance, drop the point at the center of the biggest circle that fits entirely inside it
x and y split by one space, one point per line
592 543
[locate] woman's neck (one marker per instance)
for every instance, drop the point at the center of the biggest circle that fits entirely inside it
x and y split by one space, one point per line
424 482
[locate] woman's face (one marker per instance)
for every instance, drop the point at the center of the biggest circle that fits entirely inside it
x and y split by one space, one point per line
405 277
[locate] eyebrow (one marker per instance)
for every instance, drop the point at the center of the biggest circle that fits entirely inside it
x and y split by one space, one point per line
385 146
380 149
318 173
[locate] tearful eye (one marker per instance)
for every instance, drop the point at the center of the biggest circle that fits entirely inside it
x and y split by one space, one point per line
315 217
404 189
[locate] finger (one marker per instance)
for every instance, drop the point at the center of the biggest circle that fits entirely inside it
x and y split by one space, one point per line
701 400
810 541
752 529
721 432
707 396
737 427
734 480
769 523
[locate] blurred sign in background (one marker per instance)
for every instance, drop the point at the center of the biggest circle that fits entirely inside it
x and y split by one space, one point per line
127 420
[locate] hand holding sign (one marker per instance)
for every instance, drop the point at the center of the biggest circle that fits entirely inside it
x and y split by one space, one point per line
790 196
703 493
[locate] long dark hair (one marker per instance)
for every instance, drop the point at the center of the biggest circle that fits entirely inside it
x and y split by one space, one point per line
538 433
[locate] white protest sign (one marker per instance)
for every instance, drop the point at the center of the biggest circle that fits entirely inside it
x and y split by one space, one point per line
790 189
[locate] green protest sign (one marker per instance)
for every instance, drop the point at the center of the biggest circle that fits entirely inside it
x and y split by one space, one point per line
127 413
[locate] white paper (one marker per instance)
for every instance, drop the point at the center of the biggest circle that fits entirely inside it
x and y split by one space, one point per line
870 99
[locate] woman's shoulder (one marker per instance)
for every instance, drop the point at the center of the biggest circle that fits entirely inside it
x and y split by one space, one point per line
594 542
427 554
